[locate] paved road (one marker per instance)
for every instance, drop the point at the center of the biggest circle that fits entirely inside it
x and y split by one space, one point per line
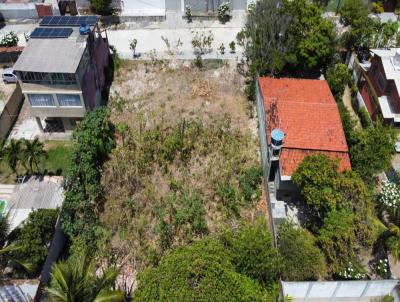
149 36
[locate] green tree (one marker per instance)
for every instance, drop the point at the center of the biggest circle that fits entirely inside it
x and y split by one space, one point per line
314 35
13 153
76 280
352 11
303 260
253 253
33 152
101 6
35 237
337 239
201 271
338 76
372 150
315 177
362 28
266 39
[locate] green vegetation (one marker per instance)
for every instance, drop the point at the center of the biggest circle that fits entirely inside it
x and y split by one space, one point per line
84 194
101 7
344 218
211 270
338 76
208 177
50 157
302 258
78 280
34 238
9 40
365 119
287 36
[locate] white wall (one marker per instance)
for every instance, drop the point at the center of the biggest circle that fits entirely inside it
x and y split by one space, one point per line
338 291
143 7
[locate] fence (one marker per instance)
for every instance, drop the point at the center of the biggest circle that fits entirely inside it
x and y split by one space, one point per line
339 291
10 112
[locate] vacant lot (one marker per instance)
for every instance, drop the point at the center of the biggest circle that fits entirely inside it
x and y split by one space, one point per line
187 159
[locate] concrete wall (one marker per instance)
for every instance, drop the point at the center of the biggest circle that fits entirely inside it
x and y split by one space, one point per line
18 11
338 291
10 112
143 8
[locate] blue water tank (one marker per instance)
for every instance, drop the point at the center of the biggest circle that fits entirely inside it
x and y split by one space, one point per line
84 29
277 137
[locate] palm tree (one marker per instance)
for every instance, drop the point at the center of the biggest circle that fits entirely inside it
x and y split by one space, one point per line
13 153
33 151
7 249
75 280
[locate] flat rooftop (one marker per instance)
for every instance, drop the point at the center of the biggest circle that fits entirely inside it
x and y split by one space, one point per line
53 55
35 193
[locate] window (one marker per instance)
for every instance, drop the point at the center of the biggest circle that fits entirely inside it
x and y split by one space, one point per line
48 78
41 100
69 100
381 82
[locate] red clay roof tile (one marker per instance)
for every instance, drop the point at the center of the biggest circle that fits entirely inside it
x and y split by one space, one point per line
306 112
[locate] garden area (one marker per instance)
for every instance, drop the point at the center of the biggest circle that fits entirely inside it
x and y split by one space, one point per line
23 157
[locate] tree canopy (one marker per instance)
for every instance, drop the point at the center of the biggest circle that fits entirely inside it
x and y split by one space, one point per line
287 36
201 271
302 258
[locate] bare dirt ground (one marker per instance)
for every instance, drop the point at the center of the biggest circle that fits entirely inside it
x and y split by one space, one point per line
347 103
180 90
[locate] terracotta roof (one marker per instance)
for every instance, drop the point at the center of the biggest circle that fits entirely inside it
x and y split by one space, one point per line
306 112
290 159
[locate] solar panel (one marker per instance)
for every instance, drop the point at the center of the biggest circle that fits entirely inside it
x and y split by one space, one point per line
68 20
51 32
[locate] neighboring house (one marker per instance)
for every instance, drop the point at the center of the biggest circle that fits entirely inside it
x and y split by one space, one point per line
62 69
306 112
379 84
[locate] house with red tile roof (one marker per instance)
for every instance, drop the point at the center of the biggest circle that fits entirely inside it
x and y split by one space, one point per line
306 112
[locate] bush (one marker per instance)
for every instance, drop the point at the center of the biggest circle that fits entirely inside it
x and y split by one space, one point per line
101 6
371 150
35 237
201 271
377 7
252 252
9 40
223 12
365 119
338 76
94 139
337 239
302 258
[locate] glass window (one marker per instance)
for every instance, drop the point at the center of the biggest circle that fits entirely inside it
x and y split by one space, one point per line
41 100
69 100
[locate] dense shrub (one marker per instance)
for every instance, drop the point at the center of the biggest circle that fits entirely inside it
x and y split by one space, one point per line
84 194
252 252
201 271
338 76
9 40
35 236
337 239
302 258
101 7
371 150
365 119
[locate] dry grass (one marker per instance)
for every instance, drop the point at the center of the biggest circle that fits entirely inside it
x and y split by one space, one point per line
147 96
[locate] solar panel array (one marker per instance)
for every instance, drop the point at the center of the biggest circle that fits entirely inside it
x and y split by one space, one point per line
68 20
51 32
